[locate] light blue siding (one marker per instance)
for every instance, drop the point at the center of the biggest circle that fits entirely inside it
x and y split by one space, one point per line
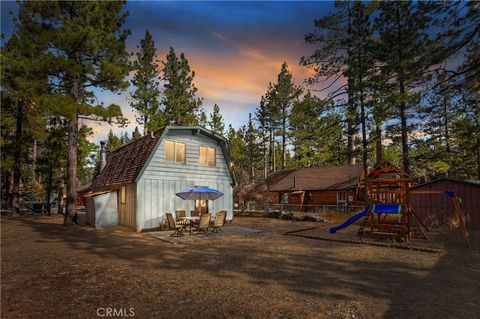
161 179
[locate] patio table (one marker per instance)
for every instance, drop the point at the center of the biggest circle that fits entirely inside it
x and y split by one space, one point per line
191 219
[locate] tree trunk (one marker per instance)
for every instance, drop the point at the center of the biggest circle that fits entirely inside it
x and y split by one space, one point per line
378 144
72 158
265 160
34 158
15 204
72 173
351 110
61 190
477 125
362 114
401 82
49 190
284 133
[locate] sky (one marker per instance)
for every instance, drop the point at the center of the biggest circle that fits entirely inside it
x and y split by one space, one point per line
235 48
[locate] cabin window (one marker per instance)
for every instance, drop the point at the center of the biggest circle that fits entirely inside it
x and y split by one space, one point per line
175 152
208 155
342 197
123 195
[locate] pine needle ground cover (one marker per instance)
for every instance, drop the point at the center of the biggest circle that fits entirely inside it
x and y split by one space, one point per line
50 271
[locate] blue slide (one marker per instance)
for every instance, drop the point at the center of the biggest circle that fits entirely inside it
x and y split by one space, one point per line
350 221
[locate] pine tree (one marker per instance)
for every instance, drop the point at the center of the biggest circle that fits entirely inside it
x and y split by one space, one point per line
23 81
82 45
136 134
216 123
113 142
145 98
344 42
53 156
404 55
202 119
237 153
252 150
315 131
181 105
285 93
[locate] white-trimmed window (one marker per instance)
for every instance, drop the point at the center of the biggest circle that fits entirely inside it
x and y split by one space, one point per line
175 152
342 197
208 155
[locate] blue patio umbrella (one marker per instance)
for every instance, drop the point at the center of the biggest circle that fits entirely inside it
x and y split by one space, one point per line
199 193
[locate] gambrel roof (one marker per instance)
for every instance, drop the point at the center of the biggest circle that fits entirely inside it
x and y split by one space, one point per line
126 164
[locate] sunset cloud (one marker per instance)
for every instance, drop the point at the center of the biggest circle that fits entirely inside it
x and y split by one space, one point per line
235 48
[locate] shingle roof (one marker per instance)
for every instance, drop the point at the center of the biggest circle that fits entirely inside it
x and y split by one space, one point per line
124 164
320 178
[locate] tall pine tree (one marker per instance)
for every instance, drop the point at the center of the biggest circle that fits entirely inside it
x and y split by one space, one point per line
82 45
179 101
146 97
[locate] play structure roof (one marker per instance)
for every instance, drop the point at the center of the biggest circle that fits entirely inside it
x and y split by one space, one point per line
386 169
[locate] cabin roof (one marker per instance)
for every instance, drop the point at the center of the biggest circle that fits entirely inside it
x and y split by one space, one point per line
126 164
340 177
472 183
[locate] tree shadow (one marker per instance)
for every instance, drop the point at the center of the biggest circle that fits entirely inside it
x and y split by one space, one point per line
310 270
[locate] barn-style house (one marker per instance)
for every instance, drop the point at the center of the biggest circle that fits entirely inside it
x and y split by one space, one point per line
138 182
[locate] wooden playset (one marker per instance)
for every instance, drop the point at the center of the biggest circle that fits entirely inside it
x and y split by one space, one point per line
389 213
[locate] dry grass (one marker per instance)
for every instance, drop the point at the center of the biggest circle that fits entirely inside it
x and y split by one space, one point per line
49 271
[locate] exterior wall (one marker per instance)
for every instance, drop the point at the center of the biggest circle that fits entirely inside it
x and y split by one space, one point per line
105 210
90 211
127 211
161 179
438 208
326 197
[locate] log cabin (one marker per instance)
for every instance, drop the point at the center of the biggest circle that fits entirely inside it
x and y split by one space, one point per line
331 185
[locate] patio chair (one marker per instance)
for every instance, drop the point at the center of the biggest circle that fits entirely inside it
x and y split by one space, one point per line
204 223
174 226
180 214
180 218
219 221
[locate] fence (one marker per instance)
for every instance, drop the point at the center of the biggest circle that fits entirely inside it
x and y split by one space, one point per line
319 212
314 209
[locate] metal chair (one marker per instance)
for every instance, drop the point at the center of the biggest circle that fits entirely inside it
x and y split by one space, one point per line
174 226
219 221
204 223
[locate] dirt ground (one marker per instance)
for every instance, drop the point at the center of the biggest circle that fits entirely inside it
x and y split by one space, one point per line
50 271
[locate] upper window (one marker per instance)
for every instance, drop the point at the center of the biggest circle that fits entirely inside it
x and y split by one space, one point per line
175 152
208 156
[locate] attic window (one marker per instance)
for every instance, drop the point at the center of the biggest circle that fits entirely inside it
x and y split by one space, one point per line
208 156
175 152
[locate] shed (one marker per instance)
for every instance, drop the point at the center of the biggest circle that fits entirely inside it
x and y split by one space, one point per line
437 208
101 209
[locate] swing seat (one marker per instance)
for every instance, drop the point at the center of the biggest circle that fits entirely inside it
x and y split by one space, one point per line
387 208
